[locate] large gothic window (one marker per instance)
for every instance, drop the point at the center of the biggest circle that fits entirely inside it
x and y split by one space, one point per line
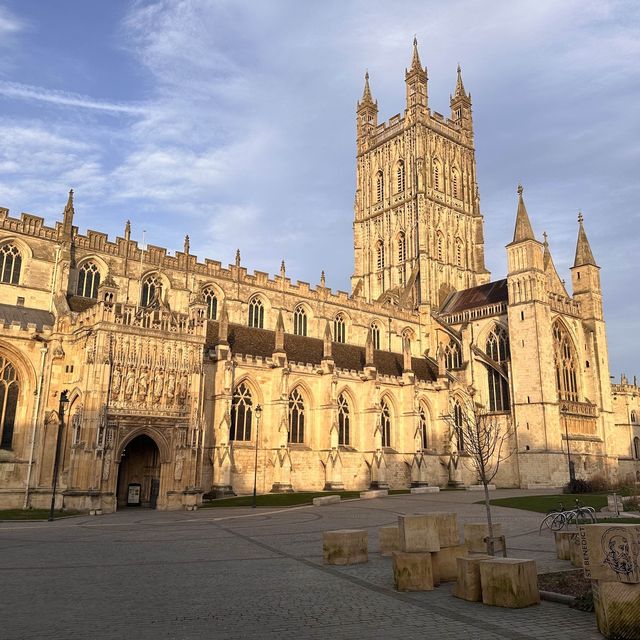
636 448
300 321
340 329
400 177
151 290
440 246
211 300
458 423
452 355
8 402
437 181
296 417
565 362
380 186
497 348
380 255
256 313
375 335
454 184
10 264
422 426
385 423
402 248
88 280
344 421
459 252
241 413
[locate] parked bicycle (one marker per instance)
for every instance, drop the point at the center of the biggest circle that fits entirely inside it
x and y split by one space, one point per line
557 520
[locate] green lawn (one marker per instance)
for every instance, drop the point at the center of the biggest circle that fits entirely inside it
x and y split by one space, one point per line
278 499
621 520
543 504
34 514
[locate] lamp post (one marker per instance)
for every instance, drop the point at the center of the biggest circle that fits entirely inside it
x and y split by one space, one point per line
64 401
572 471
255 466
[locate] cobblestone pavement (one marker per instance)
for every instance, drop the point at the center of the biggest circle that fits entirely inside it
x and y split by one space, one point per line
245 574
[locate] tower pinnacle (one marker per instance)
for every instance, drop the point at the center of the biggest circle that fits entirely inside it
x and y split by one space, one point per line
584 254
523 230
460 91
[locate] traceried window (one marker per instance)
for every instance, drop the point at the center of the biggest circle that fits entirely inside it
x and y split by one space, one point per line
379 186
241 413
402 248
454 184
339 329
565 362
344 421
436 175
296 417
385 423
300 321
452 355
380 255
11 263
634 417
151 290
636 448
497 348
256 313
375 335
8 401
458 423
459 252
211 299
88 280
422 426
400 177
439 246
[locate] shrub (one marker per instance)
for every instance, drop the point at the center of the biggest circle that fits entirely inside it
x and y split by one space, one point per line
578 485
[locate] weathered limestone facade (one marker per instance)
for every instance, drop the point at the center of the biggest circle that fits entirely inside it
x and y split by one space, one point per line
166 359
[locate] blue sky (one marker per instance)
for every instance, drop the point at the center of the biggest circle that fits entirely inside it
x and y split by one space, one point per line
234 122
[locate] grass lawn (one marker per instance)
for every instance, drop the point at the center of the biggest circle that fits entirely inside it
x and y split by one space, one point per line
34 514
621 520
543 504
277 499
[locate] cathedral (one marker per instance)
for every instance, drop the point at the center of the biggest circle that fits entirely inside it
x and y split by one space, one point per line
131 376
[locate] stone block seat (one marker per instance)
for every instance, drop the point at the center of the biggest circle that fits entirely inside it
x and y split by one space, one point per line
388 540
509 582
476 532
418 533
345 546
412 571
468 581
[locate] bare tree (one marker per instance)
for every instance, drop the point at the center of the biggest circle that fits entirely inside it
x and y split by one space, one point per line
487 442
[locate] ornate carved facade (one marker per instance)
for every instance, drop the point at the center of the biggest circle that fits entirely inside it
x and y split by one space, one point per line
178 371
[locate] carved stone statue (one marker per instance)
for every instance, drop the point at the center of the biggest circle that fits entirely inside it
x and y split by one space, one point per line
171 386
130 385
183 388
143 385
116 381
158 385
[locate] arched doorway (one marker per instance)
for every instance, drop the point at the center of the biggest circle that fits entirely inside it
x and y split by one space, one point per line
139 473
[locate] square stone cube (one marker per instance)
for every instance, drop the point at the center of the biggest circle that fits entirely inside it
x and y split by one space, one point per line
617 608
509 582
611 552
476 532
412 571
447 524
563 540
468 580
418 534
389 540
345 546
445 562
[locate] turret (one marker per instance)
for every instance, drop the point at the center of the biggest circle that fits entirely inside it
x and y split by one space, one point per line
67 217
585 276
367 114
461 106
416 80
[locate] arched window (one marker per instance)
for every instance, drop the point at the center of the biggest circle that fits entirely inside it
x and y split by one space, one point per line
241 413
452 355
11 263
459 252
339 329
380 255
211 299
151 290
385 423
8 401
454 183
296 417
634 418
458 423
566 378
636 448
422 426
439 246
300 321
436 175
88 280
379 186
497 348
375 334
400 176
344 421
402 248
256 313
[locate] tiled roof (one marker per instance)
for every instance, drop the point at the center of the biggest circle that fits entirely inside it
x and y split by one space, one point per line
24 315
480 296
261 342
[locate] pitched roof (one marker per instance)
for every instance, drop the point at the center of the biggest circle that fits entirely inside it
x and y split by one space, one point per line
480 296
24 315
261 342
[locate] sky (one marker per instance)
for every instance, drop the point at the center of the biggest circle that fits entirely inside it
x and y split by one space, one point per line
234 122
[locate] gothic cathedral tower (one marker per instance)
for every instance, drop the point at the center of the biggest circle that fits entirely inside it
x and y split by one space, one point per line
418 227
